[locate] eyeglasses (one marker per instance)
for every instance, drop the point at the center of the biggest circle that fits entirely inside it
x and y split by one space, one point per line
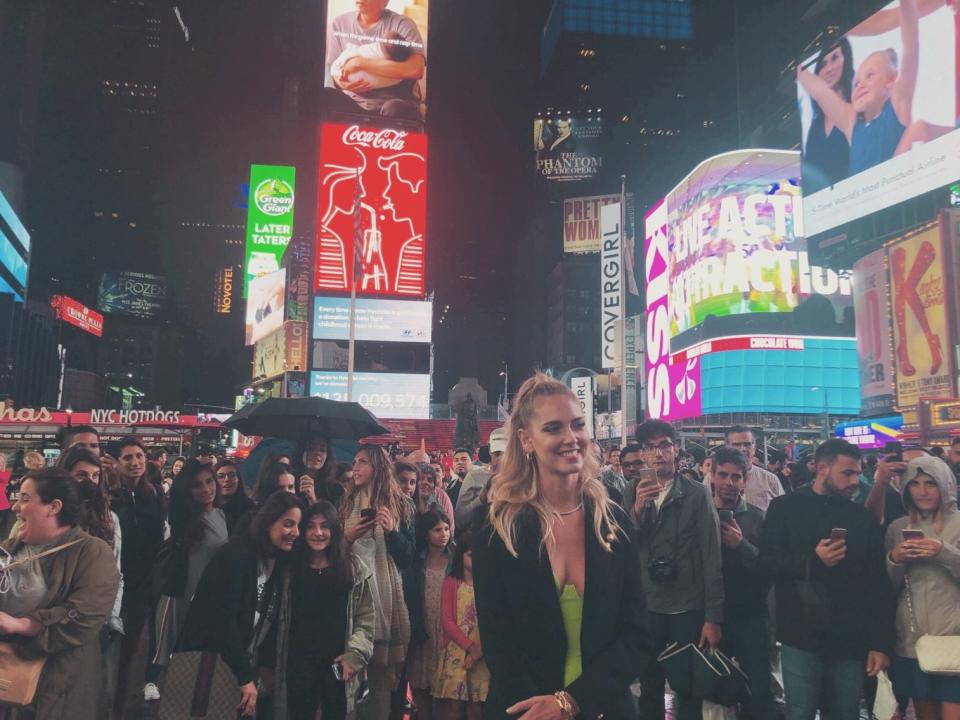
226 476
664 447
632 464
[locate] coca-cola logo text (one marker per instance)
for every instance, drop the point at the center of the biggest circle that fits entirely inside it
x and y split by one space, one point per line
380 139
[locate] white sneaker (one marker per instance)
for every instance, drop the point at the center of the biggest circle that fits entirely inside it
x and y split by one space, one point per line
151 692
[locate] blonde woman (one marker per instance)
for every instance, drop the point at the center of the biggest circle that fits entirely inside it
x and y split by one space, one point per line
378 522
555 575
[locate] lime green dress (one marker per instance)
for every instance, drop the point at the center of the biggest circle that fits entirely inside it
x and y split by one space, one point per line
571 608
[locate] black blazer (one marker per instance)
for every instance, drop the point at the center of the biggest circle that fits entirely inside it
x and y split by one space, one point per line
521 627
221 614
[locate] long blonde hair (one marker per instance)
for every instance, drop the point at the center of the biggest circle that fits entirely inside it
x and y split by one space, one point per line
517 484
384 489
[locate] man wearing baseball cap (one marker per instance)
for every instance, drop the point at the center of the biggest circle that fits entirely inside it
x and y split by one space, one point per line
477 479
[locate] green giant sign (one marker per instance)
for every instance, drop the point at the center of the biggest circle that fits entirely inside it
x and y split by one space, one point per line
269 219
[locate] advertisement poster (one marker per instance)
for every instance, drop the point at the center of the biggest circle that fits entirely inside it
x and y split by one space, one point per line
70 311
386 395
887 90
583 388
376 62
280 351
736 247
673 389
377 320
223 291
873 333
568 148
269 220
136 294
265 305
372 186
921 334
581 222
611 287
299 281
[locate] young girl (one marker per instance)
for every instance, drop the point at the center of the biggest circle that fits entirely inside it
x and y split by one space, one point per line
426 579
462 677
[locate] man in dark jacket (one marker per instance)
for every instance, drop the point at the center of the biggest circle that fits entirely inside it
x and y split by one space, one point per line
678 541
746 634
835 611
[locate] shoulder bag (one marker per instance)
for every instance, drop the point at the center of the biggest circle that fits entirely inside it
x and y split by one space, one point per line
937 654
19 676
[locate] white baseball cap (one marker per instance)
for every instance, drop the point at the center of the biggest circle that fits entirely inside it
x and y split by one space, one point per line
498 440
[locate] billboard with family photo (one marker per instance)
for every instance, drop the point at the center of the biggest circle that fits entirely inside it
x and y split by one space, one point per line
376 57
878 107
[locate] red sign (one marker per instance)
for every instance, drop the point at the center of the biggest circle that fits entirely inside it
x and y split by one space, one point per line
739 342
69 310
373 187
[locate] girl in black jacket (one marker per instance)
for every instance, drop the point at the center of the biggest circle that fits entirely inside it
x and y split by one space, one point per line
240 592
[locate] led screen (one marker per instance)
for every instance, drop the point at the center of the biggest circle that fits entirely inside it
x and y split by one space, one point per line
878 109
376 65
372 211
379 320
386 395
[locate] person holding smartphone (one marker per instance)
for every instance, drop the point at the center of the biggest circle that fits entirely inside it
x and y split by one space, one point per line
923 564
379 527
746 632
834 603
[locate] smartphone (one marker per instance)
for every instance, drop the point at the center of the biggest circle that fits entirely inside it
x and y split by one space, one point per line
337 671
725 515
368 513
894 451
838 534
913 535
648 476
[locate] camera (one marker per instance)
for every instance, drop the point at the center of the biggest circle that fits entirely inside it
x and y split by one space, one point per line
661 570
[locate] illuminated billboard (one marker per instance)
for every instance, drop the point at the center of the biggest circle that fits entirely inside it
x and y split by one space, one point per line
265 305
736 247
282 350
673 388
872 434
581 222
141 295
919 299
14 252
386 395
874 340
223 291
377 320
269 220
568 148
372 189
77 314
376 58
886 92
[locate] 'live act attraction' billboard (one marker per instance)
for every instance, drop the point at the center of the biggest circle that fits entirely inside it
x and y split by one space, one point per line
887 93
372 189
735 246
269 220
376 58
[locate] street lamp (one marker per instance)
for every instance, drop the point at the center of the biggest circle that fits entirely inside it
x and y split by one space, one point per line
826 412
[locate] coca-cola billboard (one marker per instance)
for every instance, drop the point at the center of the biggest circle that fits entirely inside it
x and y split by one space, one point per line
371 211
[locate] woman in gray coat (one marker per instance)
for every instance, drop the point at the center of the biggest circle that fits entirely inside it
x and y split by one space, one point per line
923 562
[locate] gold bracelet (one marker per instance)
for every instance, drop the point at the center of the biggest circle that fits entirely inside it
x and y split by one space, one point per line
568 706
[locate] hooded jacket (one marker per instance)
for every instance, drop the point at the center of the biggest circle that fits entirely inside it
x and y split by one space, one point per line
934 583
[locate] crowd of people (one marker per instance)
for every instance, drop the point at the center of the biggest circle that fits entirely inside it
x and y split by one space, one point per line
545 582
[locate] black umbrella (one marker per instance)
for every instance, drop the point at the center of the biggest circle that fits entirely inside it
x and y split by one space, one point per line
302 418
